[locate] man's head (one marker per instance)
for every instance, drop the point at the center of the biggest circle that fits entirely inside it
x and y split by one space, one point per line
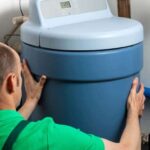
10 75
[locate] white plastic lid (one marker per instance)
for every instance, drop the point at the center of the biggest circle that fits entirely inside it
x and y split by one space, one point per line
99 34
97 30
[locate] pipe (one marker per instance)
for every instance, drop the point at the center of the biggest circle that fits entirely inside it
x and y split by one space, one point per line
147 92
124 9
17 21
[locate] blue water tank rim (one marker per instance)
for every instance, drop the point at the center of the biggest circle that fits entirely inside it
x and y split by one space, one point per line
84 66
147 92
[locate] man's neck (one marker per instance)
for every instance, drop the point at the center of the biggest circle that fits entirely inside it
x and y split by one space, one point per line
6 103
6 107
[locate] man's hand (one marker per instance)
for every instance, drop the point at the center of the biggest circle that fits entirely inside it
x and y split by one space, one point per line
131 137
33 91
136 99
33 88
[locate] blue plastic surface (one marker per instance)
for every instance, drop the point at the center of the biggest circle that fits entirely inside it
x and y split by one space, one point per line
87 90
85 65
147 92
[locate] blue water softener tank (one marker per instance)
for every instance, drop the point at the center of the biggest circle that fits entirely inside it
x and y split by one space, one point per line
90 58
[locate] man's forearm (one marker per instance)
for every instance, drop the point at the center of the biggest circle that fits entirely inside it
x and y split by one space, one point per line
131 136
27 109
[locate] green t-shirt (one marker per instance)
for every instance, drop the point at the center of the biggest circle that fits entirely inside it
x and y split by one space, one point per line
46 135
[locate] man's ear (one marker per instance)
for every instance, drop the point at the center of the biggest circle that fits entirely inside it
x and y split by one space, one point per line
10 83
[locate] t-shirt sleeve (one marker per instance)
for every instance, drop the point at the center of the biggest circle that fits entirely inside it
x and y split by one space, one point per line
62 137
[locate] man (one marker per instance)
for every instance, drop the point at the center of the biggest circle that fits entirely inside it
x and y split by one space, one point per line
46 134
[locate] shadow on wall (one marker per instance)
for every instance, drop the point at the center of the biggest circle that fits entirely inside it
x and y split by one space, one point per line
6 27
6 15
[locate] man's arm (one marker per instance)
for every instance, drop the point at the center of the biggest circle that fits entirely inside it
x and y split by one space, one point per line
131 137
33 91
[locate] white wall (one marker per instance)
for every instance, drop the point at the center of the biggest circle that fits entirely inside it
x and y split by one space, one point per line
140 11
8 10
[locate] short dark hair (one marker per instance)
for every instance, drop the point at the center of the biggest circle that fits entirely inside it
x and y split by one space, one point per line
7 61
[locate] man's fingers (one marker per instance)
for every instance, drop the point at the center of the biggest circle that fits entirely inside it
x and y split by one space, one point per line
134 85
141 113
42 80
25 67
141 91
26 71
24 63
143 107
144 98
